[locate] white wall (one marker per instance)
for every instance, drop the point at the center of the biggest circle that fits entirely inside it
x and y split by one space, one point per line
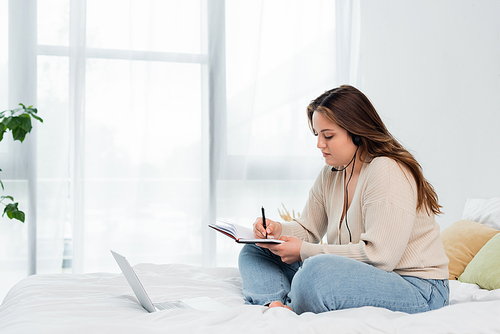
432 70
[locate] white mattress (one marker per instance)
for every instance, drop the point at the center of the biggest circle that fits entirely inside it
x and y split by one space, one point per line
104 303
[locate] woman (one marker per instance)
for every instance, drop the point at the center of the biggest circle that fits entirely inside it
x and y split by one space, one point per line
377 211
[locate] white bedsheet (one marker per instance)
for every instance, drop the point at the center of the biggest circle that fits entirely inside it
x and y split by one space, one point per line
104 303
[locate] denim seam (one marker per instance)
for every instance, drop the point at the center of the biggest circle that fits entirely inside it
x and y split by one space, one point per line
376 303
282 285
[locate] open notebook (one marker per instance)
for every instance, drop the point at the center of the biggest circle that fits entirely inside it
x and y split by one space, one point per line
240 234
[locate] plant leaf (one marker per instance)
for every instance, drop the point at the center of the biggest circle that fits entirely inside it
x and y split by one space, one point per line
19 122
13 212
9 197
19 125
19 134
19 215
11 122
3 128
25 122
33 112
37 117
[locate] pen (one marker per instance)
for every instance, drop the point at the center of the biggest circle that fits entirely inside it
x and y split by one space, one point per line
264 220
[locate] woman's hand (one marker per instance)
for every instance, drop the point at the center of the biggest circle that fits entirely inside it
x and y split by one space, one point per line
273 229
289 251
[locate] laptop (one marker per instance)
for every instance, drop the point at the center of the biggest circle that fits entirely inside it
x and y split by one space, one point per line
200 303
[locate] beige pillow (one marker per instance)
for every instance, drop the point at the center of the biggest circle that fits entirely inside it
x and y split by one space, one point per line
462 241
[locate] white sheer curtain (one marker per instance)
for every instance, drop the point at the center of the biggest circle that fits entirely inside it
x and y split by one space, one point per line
158 117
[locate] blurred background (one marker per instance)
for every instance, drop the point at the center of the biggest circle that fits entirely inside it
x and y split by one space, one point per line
161 115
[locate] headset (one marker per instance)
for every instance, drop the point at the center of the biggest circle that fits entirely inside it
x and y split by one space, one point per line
358 142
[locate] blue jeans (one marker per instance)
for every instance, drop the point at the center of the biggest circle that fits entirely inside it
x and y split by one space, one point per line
329 282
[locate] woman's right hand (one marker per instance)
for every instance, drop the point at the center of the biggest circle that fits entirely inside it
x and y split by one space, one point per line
274 229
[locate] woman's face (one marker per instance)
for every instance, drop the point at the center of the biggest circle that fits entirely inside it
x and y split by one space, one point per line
334 142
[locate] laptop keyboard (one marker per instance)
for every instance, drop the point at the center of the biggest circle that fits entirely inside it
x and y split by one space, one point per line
176 304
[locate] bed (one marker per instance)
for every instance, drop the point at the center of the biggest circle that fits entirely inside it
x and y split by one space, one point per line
104 303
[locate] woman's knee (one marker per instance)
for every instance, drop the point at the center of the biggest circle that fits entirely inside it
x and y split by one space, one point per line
312 283
306 282
325 266
321 282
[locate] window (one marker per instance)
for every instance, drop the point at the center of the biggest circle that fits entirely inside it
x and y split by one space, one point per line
159 116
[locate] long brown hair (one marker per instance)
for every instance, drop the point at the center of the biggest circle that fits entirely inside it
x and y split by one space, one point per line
351 110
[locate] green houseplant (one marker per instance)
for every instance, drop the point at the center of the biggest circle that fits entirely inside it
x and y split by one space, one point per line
18 121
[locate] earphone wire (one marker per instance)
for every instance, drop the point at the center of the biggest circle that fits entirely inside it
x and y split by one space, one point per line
345 167
347 194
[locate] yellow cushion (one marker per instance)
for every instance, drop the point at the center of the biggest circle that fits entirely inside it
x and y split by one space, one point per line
484 269
462 241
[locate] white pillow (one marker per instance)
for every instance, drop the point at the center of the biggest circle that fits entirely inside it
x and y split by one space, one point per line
484 211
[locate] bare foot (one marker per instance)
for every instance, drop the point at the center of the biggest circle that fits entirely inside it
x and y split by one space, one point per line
279 304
